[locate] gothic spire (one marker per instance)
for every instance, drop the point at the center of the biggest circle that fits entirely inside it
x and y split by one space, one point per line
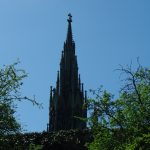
67 98
69 33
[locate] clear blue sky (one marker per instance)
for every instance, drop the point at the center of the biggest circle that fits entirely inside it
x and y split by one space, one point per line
106 32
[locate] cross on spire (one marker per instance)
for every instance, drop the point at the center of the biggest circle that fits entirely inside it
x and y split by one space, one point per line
70 17
69 33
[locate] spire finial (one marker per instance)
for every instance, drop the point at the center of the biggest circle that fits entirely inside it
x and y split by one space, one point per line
70 17
69 33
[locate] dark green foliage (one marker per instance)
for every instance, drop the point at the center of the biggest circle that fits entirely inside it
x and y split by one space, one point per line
10 83
122 123
8 123
62 140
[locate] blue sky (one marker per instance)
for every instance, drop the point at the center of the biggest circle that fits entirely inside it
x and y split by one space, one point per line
106 32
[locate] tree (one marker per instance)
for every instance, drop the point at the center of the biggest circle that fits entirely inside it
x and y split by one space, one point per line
10 84
123 123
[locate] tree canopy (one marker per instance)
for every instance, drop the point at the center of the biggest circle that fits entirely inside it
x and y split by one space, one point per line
10 83
122 123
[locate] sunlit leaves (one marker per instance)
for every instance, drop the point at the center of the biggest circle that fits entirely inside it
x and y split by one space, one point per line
11 80
126 120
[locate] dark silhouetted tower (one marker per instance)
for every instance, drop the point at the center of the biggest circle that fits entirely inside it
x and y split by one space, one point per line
67 99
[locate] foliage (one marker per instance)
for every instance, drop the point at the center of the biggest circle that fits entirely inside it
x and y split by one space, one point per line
8 122
123 123
35 147
71 139
10 84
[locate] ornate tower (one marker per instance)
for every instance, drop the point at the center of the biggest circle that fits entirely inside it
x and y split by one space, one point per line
67 99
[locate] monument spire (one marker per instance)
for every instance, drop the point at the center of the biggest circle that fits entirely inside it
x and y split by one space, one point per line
68 97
